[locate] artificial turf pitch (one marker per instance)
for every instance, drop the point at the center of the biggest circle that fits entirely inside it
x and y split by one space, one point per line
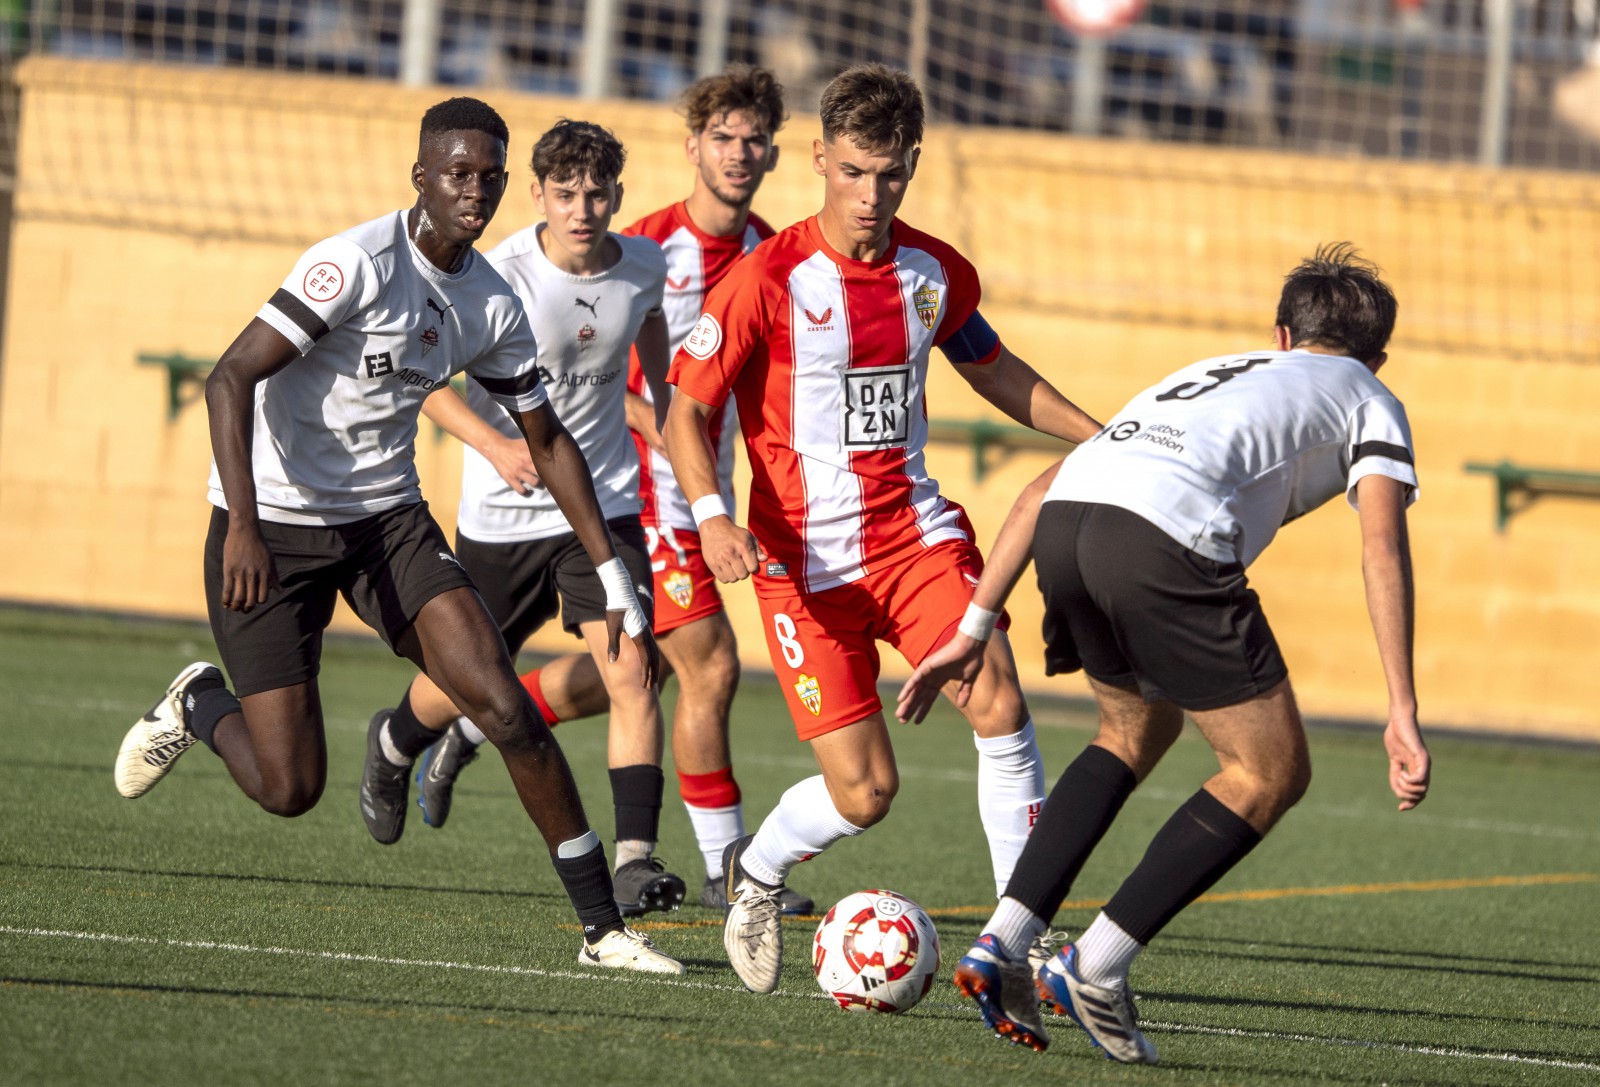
189 938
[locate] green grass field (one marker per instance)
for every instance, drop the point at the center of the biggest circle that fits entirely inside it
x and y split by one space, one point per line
190 938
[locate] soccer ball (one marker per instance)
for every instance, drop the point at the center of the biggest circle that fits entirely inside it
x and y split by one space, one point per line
876 951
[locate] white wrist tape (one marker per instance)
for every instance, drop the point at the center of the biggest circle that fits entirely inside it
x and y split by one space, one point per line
620 595
704 509
978 623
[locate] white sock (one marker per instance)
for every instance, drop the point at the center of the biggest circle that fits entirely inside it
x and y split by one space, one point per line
714 829
804 823
471 731
631 850
1015 927
390 752
1010 796
1105 952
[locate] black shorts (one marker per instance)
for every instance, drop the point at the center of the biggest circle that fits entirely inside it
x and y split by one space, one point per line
524 583
385 566
1133 607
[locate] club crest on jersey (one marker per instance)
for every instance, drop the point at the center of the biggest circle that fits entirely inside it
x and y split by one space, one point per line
810 692
927 302
586 335
429 338
679 586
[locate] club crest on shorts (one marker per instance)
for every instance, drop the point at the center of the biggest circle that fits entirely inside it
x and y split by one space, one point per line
927 300
810 692
679 586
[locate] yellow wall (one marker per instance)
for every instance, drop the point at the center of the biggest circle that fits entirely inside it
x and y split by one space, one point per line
157 208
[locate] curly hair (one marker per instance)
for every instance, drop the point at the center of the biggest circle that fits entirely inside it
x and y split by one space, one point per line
1335 299
741 88
879 108
573 150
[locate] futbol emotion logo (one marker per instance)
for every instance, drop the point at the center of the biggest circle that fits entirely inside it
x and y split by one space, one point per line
323 282
704 338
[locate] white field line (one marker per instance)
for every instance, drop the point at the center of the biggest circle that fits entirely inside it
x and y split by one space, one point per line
606 976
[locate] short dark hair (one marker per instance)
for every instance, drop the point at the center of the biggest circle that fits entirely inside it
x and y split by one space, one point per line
572 150
1335 300
879 108
463 115
742 88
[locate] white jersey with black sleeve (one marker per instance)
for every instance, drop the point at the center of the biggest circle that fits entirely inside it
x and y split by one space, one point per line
1222 453
378 327
585 326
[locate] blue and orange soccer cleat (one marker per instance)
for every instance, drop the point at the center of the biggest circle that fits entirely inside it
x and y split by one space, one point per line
1004 992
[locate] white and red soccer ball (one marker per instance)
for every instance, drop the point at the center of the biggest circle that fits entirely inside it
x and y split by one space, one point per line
876 951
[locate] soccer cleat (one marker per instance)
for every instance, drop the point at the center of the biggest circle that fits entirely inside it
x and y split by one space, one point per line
751 933
628 949
383 787
1004 992
1043 949
791 903
642 886
156 740
1106 1015
437 769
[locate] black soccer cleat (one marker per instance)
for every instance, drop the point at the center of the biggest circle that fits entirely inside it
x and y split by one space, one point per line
384 787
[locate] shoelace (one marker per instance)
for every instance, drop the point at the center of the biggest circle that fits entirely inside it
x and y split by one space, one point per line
761 909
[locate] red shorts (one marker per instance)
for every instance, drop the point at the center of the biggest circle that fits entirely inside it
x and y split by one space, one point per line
685 587
824 645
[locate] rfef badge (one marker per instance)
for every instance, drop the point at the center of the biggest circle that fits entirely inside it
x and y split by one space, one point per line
810 692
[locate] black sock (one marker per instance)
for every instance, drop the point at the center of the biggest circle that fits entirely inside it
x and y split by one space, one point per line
1195 848
206 703
1085 800
410 736
588 883
636 792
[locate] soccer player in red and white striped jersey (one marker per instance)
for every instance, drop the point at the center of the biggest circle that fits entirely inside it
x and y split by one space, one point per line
823 335
732 119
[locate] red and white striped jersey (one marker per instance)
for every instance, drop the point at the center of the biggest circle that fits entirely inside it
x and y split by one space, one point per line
696 262
828 360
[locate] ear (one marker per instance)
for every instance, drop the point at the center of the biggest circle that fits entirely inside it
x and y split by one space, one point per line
1280 337
417 174
772 158
911 162
691 148
616 197
538 197
1375 363
819 158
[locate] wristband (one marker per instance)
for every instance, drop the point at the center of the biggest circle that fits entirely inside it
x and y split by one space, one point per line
704 509
978 623
620 595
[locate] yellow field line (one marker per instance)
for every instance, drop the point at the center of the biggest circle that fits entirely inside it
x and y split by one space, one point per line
1263 895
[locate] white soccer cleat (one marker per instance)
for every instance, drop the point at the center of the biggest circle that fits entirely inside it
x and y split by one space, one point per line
628 949
1106 1015
156 740
751 933
1043 948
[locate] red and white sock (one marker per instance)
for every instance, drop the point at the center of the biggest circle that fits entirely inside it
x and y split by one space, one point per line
804 823
1010 796
716 810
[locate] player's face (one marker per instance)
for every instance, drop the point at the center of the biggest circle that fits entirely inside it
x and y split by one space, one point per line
460 180
578 214
863 190
733 153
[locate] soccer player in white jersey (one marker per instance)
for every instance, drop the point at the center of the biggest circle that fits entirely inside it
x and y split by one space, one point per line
313 412
590 295
1141 542
823 334
732 118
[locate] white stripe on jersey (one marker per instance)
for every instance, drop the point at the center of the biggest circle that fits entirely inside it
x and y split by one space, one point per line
936 519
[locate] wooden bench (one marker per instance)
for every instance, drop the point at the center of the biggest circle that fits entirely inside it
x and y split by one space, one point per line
1517 485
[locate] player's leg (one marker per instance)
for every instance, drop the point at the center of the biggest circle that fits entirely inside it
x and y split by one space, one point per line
567 688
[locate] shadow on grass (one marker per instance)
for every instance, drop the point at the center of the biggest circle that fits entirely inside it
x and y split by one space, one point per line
1380 958
1324 1007
300 881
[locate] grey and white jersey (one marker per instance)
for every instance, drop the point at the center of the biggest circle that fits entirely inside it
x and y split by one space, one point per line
1222 453
585 326
379 327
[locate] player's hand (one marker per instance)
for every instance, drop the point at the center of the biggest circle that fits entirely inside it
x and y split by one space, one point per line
248 572
957 661
644 645
511 459
1409 763
730 550
641 417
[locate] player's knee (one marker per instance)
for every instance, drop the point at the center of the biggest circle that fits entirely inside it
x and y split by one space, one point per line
289 799
867 802
505 716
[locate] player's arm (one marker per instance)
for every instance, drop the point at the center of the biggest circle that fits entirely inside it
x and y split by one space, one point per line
729 549
562 468
961 657
1018 390
1391 602
509 457
641 418
258 352
652 346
